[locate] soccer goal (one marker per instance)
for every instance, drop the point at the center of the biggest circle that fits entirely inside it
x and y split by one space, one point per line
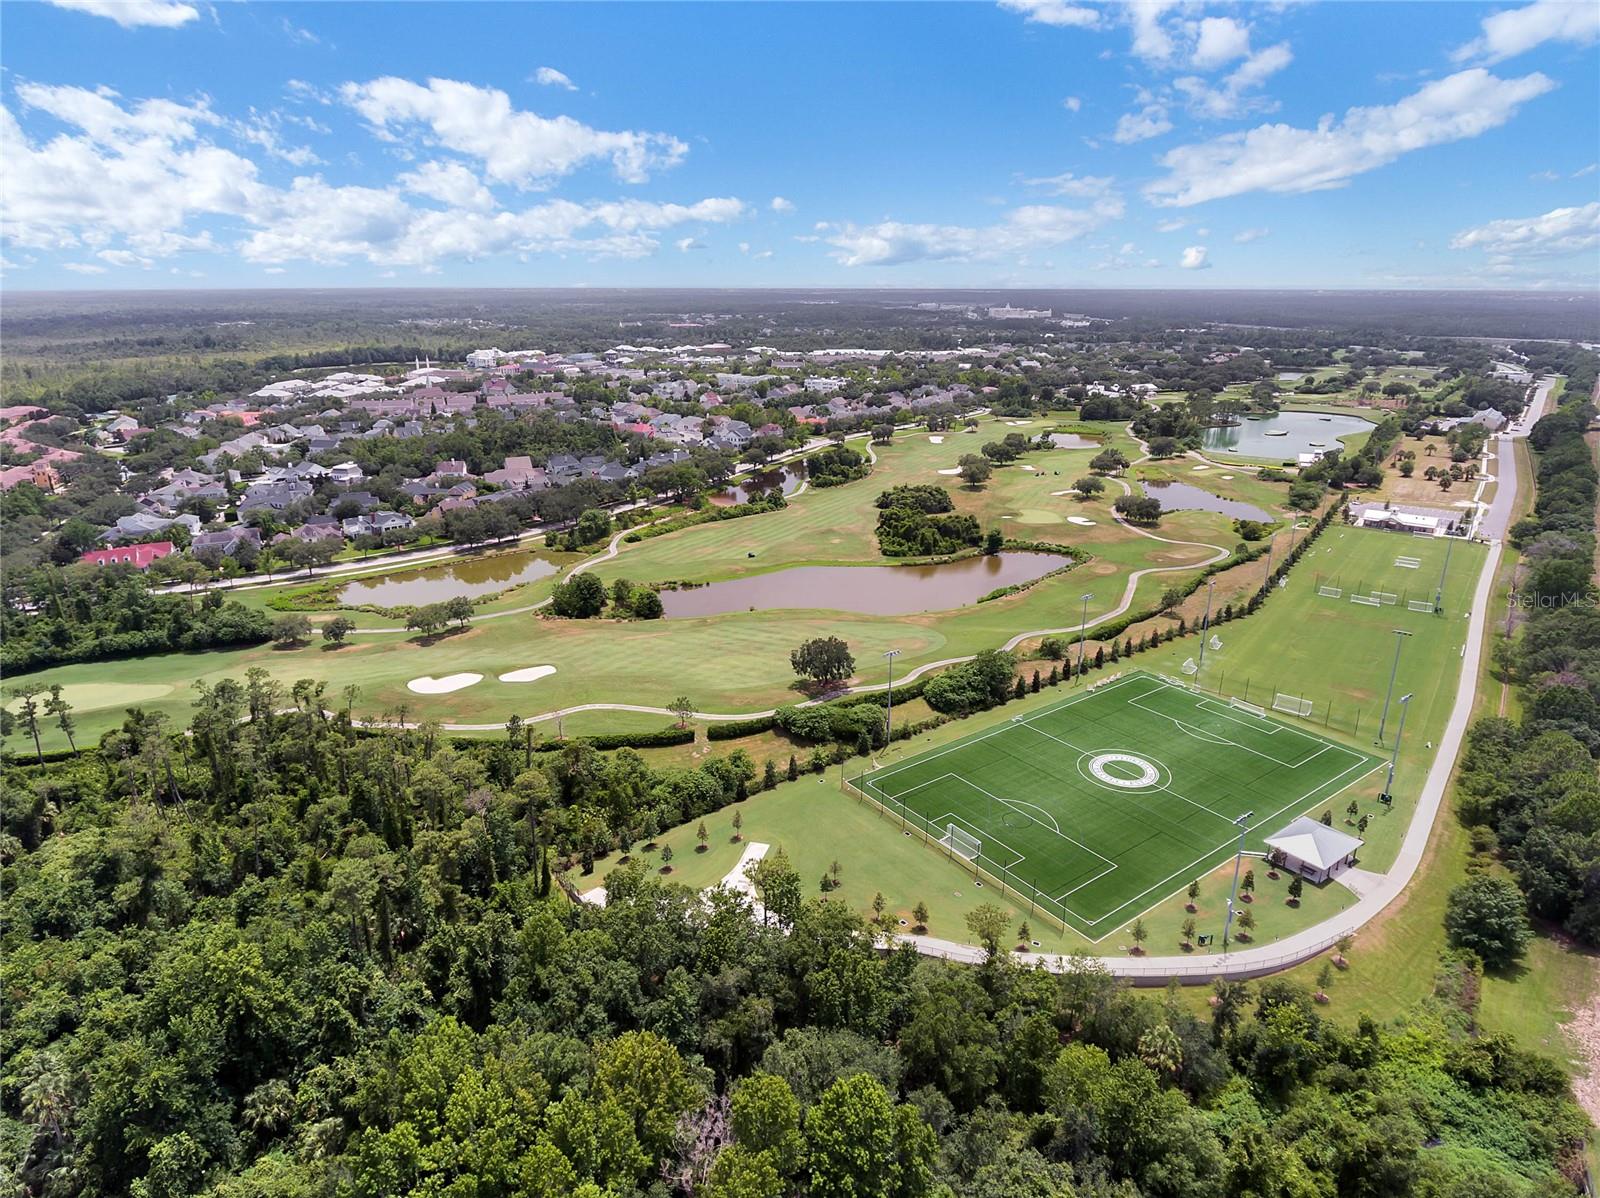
1408 563
1254 709
962 844
1216 643
1364 600
1387 598
1419 604
1189 667
1330 592
1290 705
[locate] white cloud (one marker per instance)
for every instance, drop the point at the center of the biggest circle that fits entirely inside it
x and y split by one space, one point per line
1518 30
1079 186
779 204
1152 40
1025 229
762 255
1283 158
1195 258
1171 226
129 181
297 34
1558 232
1231 96
1545 176
1054 12
1220 41
1142 124
517 147
124 258
1246 236
685 244
450 183
1586 170
550 77
84 268
130 14
1072 103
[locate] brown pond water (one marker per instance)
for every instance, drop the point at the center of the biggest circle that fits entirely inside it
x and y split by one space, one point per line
1176 496
1072 441
759 483
871 590
473 577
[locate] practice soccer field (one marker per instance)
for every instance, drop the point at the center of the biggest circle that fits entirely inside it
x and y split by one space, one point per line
1115 798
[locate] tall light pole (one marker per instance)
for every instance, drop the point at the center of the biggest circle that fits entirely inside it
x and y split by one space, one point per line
1388 786
1205 627
1438 594
1400 635
888 717
1083 627
1243 824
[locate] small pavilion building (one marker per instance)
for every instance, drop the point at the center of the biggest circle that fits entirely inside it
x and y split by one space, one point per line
1314 850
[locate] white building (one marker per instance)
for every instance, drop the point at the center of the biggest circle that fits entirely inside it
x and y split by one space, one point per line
1314 850
484 359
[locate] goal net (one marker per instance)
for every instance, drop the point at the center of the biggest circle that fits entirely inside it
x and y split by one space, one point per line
1216 642
1189 667
1291 705
1330 592
1388 598
1408 563
962 844
1254 709
1420 604
1364 600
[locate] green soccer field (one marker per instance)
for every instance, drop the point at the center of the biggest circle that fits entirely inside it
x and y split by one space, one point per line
1103 804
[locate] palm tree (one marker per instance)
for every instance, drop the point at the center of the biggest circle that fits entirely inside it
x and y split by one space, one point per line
1161 1050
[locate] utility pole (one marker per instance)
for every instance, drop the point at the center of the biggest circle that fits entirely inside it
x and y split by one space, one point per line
1438 594
888 718
1243 824
1399 639
1083 627
1205 628
1388 786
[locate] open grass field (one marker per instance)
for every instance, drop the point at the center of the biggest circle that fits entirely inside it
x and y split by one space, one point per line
734 662
1100 804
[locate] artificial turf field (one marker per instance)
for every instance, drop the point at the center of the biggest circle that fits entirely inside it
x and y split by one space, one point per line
1105 803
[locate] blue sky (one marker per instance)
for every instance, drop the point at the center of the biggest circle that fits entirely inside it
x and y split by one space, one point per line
1149 143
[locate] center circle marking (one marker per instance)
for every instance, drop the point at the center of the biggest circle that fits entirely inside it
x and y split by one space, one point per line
1144 772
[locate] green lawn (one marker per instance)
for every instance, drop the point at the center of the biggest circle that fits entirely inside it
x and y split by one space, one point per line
1111 799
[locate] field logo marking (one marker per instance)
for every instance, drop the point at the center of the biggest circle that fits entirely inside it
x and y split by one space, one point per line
1144 773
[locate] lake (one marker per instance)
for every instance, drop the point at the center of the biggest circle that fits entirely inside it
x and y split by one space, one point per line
1072 441
1302 433
750 486
871 590
472 577
1181 496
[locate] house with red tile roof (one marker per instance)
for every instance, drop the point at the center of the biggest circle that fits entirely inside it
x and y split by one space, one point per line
138 556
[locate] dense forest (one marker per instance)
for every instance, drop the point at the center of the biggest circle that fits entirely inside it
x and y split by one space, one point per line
1532 785
273 955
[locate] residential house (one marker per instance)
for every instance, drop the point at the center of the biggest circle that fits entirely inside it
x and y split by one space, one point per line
138 556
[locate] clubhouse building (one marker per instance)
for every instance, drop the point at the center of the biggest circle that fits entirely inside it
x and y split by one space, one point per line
1314 850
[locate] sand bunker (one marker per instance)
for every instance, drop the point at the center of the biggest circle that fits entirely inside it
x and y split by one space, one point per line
1019 423
1224 476
1079 520
1197 469
952 470
442 686
936 440
528 674
1031 469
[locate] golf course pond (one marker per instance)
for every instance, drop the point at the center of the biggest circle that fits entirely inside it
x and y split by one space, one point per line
472 578
869 590
1181 496
750 486
1283 436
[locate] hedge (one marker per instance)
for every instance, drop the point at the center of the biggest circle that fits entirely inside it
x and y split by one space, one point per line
660 739
733 729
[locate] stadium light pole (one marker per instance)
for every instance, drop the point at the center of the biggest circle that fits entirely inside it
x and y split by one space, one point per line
888 718
1438 594
1400 635
1083 628
1388 786
1205 627
1243 824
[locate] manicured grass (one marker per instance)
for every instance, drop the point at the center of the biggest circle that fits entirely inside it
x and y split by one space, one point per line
1116 796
